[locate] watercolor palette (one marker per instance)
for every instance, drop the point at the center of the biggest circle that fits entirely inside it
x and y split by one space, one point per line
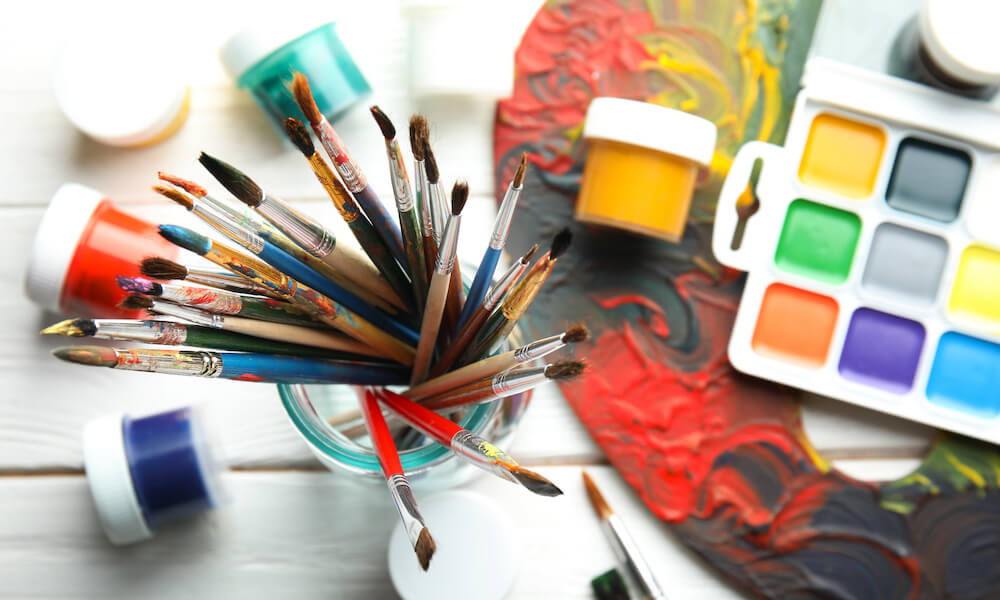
873 255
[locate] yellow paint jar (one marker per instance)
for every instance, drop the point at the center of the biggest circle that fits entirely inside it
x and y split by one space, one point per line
642 166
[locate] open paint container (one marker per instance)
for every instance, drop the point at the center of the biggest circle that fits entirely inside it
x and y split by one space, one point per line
873 261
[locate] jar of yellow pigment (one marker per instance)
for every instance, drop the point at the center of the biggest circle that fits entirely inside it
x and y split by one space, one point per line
642 165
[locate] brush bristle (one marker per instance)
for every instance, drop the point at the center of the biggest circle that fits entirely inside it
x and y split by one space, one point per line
138 285
430 163
188 186
522 168
72 328
529 254
178 197
299 135
384 122
566 369
425 548
560 243
459 196
95 356
136 302
233 180
418 134
156 267
535 482
596 498
304 98
576 333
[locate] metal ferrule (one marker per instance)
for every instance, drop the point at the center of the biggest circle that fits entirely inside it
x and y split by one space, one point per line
302 229
539 348
353 178
439 210
241 214
400 180
426 212
215 301
192 315
152 332
174 362
520 297
224 280
483 454
448 247
515 381
628 554
231 229
505 216
503 285
413 522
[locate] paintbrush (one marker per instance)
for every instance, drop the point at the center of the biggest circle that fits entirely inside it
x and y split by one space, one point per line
270 207
470 330
280 332
399 487
168 333
368 237
409 220
216 213
499 325
349 170
496 364
503 384
453 302
466 444
242 366
501 227
438 292
418 140
157 267
624 546
316 304
218 301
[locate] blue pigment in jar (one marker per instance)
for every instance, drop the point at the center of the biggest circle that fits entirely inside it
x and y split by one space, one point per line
148 471
262 61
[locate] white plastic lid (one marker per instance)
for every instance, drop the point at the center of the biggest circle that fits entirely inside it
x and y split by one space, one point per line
651 126
475 550
961 38
111 482
249 46
121 92
56 241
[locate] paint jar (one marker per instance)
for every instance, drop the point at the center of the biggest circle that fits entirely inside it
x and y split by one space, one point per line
148 471
81 244
643 162
951 45
262 61
119 91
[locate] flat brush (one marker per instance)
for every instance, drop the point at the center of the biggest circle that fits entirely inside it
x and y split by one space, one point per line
453 300
624 546
260 329
470 330
496 364
499 325
168 333
409 219
368 237
247 191
318 305
348 168
157 267
216 212
498 239
438 292
503 384
399 487
217 301
269 368
466 444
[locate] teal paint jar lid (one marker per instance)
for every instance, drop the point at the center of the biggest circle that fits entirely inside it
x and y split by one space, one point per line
262 61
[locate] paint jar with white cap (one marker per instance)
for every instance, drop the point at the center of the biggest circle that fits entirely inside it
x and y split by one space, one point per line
146 472
952 45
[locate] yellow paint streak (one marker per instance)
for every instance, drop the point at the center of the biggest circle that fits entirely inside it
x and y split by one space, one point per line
969 472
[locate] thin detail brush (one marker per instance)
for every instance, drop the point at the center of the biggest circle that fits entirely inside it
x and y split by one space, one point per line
503 384
157 267
428 236
453 302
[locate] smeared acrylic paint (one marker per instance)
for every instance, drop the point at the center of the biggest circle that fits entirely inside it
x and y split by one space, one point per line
720 457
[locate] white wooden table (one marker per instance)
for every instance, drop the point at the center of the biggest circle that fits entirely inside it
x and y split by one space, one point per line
293 529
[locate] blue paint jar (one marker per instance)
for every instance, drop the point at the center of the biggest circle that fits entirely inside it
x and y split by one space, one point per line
149 471
262 61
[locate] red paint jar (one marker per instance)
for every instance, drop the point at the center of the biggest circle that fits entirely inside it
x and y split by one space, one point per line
82 242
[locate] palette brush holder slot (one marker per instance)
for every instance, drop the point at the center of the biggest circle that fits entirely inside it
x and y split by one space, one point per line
873 258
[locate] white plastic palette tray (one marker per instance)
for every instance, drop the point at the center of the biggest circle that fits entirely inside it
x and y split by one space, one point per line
873 261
